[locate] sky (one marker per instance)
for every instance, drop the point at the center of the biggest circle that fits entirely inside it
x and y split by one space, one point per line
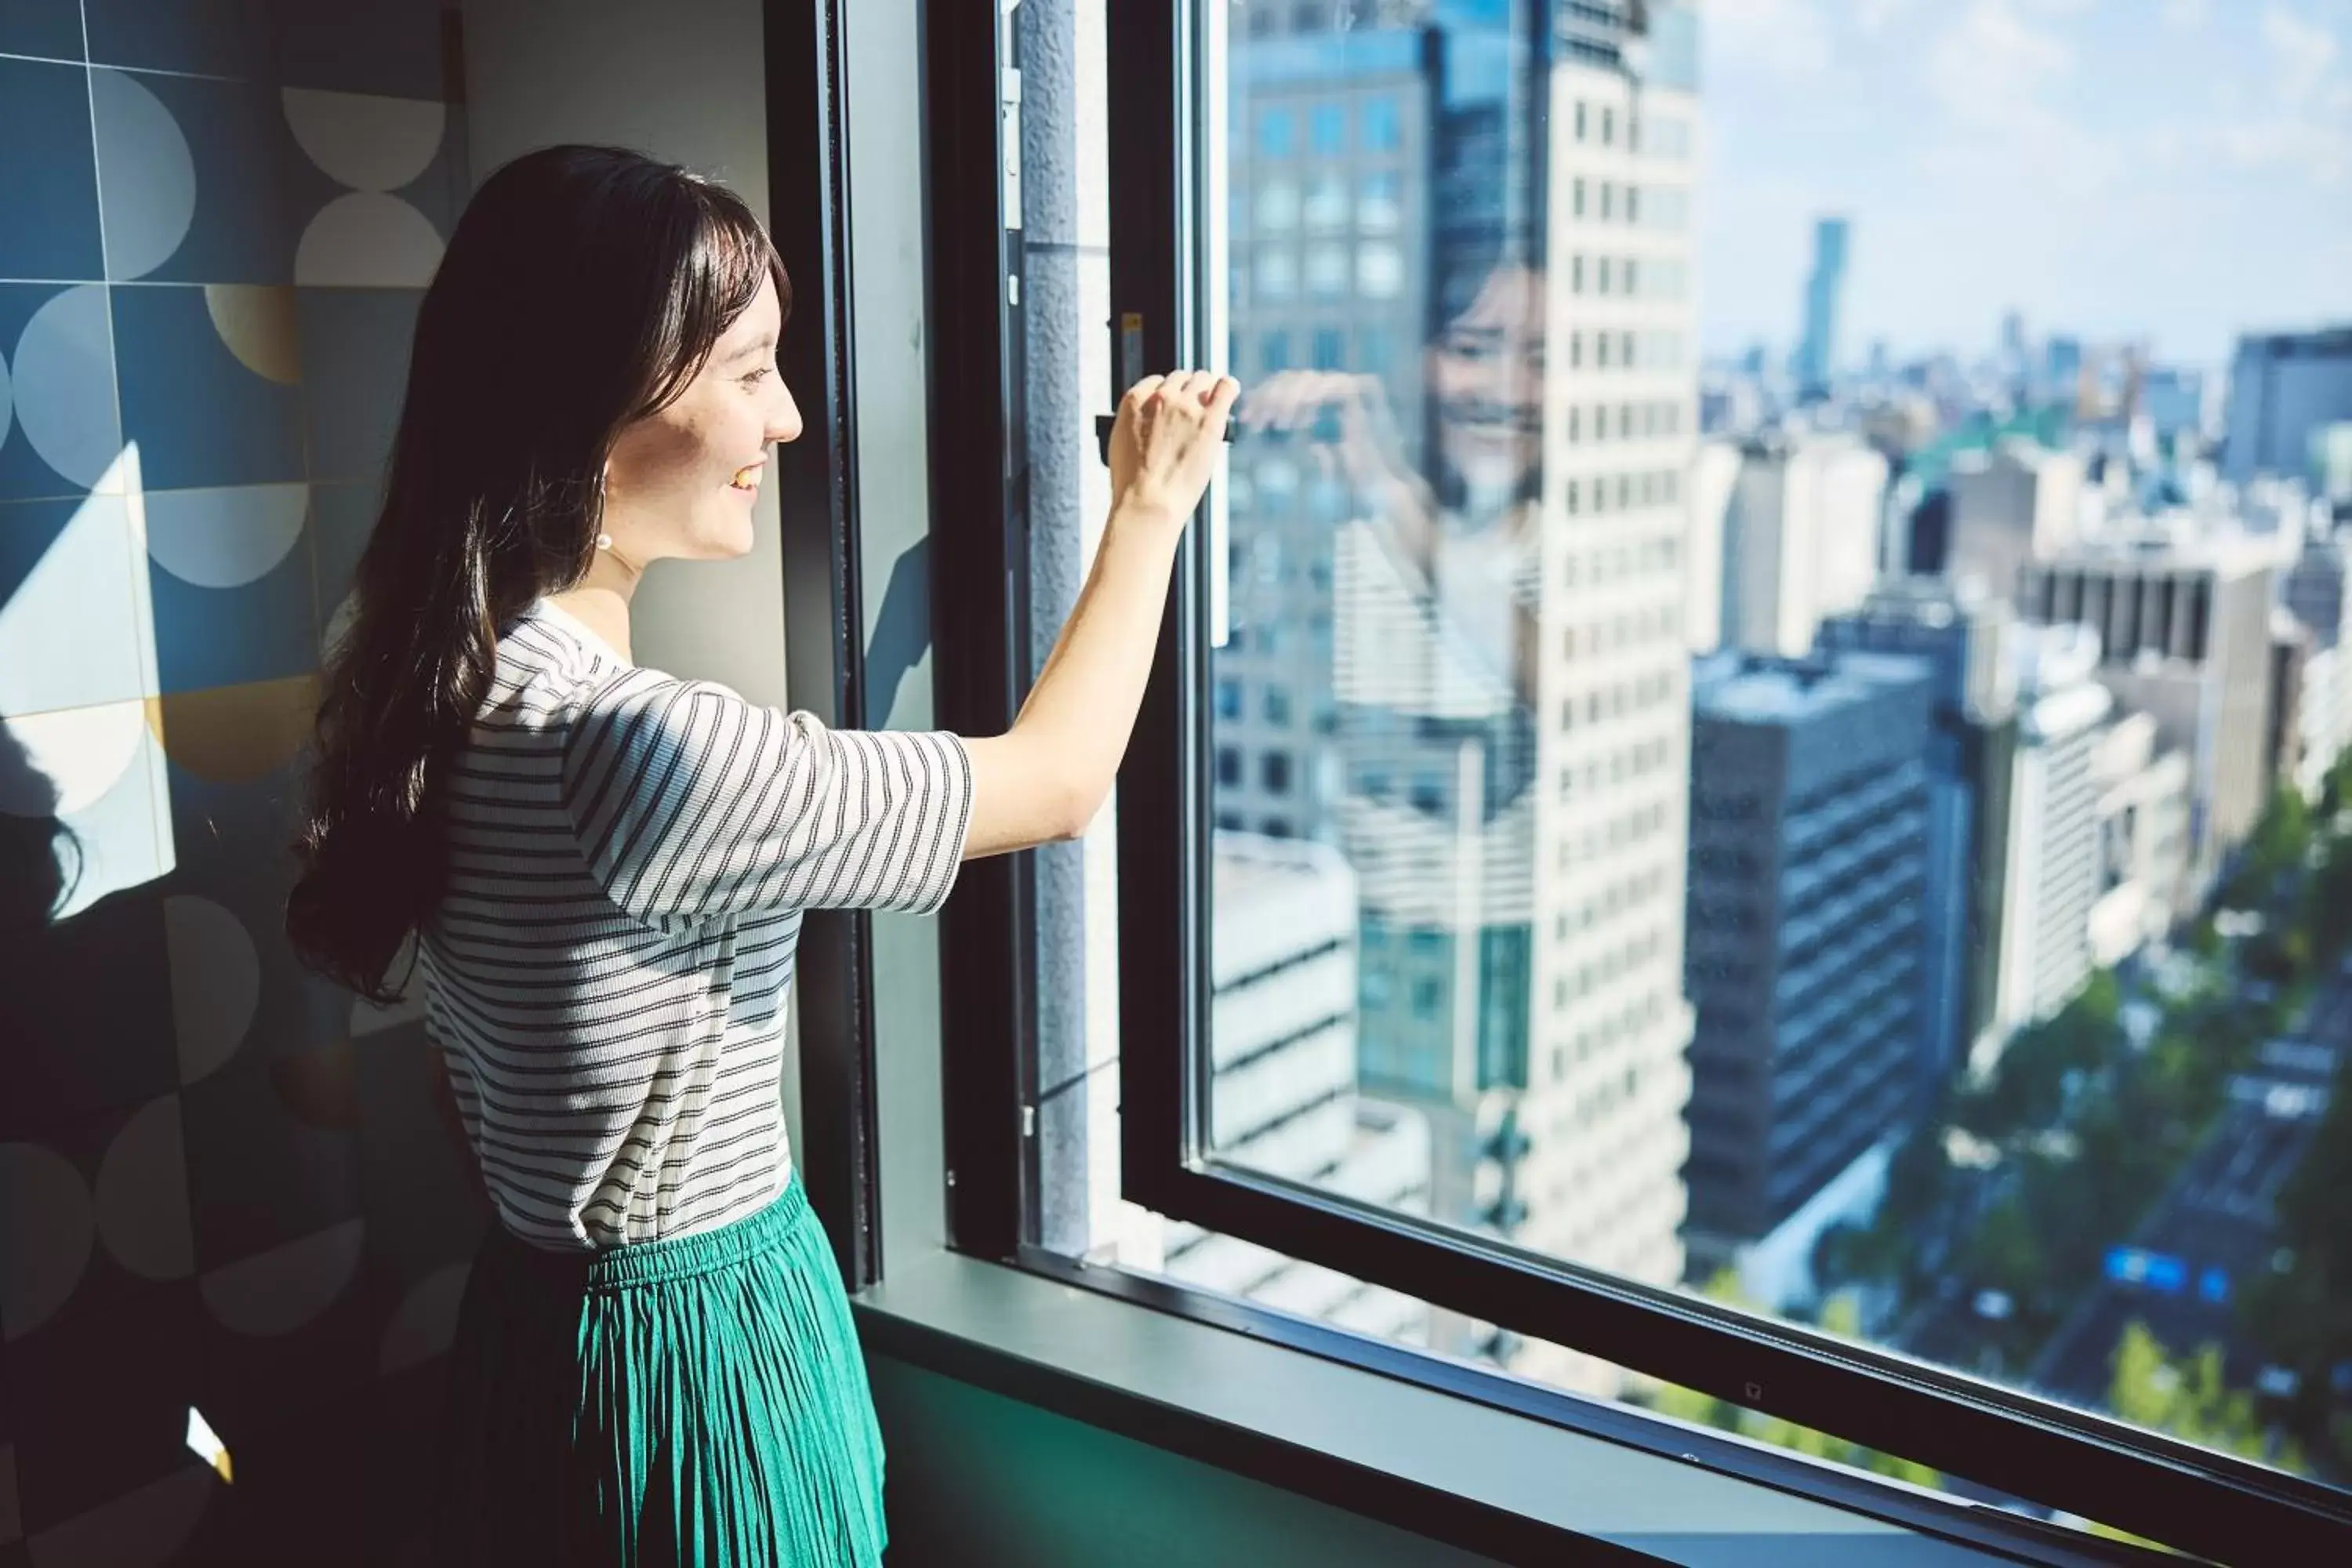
2175 172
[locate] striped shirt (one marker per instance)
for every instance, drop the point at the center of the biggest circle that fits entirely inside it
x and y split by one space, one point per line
629 855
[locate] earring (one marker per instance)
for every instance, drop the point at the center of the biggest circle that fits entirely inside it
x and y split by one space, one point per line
604 542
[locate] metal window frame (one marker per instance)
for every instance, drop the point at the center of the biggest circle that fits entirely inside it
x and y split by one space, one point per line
2015 1443
824 594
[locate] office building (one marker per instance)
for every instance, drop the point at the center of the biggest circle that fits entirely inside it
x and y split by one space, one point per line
2284 389
1503 726
2054 872
2313 590
2184 632
2010 504
1713 479
1964 639
1283 1093
1816 361
1810 794
2142 810
1800 539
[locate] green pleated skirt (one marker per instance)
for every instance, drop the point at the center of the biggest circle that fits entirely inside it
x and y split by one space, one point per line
698 1400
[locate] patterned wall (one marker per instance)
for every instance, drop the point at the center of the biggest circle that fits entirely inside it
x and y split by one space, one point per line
222 1189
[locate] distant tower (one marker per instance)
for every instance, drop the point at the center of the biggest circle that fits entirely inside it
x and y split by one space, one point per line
1824 299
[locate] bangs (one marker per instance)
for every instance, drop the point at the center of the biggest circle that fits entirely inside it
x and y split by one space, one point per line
721 260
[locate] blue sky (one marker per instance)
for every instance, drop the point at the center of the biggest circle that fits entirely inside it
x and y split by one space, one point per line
2175 171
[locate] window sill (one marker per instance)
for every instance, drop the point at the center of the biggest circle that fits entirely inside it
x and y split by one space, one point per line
1487 1480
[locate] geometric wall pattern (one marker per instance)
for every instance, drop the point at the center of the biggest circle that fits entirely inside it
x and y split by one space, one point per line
221 1185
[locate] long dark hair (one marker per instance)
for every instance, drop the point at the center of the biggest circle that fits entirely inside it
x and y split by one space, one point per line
583 289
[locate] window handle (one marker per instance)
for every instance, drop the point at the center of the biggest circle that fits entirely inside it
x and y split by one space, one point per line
1105 423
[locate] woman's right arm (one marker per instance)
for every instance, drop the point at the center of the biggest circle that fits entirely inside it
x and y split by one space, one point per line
1047 777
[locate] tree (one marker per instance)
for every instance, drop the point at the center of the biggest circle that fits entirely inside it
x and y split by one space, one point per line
2302 1315
2187 1398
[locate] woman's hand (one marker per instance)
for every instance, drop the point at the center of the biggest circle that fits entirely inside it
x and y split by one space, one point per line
1165 445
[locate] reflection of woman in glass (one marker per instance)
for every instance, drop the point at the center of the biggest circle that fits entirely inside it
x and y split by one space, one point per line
605 868
1462 540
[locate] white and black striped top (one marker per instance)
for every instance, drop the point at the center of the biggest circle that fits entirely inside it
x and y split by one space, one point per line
629 855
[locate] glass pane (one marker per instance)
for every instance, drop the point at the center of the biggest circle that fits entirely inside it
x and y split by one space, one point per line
1822 784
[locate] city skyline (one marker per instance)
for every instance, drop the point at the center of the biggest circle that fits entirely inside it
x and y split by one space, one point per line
2093 164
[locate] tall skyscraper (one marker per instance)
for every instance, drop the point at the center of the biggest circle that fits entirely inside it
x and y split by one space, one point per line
1817 351
1808 843
1801 538
2283 390
1964 640
1495 736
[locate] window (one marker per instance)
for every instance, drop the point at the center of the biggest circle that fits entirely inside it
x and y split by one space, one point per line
1277 205
1274 132
1277 274
1426 736
1327 270
1328 129
1326 203
1274 353
1380 131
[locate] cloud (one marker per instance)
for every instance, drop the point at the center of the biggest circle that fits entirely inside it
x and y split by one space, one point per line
1789 39
1992 65
2304 54
1871 17
2181 16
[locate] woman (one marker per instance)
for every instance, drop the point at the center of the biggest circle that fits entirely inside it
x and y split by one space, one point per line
604 866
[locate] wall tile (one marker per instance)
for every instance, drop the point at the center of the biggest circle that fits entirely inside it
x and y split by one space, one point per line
354 370
48 28
199 416
228 142
48 177
214 37
64 432
71 609
393 46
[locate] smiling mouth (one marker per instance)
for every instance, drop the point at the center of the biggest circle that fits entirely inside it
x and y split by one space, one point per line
746 478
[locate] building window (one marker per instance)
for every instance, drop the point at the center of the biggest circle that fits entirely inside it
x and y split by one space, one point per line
1608 200
1330 347
1608 127
1379 125
1277 205
1277 274
1375 351
1327 271
1275 827
1601 278
1274 353
1426 996
1277 706
1576 274
1327 201
1379 271
1229 699
1328 130
1273 772
1229 766
1580 119
1379 207
1275 134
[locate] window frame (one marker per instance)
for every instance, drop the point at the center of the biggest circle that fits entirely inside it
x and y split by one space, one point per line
2020 1444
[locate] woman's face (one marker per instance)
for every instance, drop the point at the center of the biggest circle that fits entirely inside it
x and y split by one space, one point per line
1486 374
680 483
